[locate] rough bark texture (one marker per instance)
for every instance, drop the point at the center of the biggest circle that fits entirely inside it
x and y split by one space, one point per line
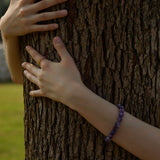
116 46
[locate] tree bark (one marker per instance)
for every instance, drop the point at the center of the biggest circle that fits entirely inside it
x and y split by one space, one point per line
116 47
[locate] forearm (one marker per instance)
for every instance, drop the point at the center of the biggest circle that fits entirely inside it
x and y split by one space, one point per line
12 52
134 135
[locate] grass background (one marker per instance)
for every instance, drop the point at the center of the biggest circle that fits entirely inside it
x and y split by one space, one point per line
11 122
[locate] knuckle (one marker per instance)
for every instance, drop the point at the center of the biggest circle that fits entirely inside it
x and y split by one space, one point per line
41 77
33 55
43 92
45 3
29 67
44 64
32 52
40 84
29 76
22 12
44 16
20 3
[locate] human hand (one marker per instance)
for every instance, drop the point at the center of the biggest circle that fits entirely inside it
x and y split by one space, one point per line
55 80
22 17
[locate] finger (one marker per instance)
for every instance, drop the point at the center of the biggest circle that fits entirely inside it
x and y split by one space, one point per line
36 93
44 4
35 55
61 49
31 68
42 28
47 16
31 77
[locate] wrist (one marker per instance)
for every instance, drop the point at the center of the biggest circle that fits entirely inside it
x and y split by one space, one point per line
77 95
2 27
4 32
8 37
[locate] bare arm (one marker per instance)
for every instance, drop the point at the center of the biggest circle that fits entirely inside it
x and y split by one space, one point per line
21 18
134 135
62 82
13 58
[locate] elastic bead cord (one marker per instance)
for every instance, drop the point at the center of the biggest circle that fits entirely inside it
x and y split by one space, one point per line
117 124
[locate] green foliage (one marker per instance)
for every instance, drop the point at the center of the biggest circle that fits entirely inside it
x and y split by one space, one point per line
11 122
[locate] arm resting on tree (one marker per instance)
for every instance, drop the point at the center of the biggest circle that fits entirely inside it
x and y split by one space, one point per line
134 135
62 82
12 52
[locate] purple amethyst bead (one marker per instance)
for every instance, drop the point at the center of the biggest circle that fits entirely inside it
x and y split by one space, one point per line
107 139
119 119
121 114
117 124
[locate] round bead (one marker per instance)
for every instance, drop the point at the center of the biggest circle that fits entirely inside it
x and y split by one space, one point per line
110 135
117 124
122 109
115 129
119 105
112 132
107 139
119 118
121 114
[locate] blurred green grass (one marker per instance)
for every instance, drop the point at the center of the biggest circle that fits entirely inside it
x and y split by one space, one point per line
11 122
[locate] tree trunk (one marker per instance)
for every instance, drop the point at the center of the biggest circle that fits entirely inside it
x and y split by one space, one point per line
116 46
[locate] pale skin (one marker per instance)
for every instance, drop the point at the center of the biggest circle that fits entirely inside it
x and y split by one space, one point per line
52 79
21 18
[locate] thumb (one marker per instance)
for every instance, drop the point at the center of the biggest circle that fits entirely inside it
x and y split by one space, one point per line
61 49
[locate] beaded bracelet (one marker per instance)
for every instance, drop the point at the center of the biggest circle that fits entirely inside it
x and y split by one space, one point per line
117 124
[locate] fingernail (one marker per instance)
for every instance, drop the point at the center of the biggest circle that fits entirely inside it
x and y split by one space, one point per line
27 47
23 64
64 12
55 25
57 40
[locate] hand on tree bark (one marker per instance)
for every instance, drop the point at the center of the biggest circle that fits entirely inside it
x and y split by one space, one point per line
57 81
22 17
